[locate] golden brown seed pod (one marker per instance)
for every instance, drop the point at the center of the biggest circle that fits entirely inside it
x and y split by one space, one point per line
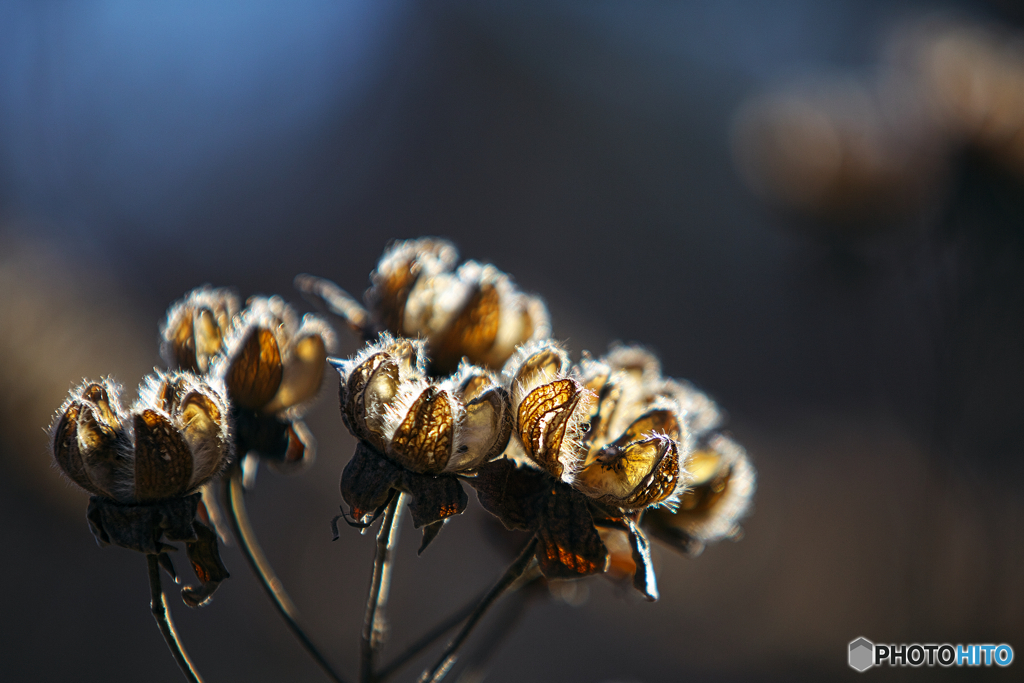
724 481
474 312
424 427
174 439
194 331
548 408
273 362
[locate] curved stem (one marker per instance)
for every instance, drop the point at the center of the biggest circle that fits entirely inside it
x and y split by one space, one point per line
515 570
163 620
429 638
242 528
380 588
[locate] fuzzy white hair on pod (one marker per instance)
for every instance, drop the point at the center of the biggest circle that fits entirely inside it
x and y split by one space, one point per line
418 369
722 520
428 255
215 299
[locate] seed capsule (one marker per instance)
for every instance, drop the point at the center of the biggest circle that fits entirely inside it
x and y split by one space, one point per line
196 326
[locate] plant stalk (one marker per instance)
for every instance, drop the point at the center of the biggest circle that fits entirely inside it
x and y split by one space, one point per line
242 528
448 657
374 623
158 605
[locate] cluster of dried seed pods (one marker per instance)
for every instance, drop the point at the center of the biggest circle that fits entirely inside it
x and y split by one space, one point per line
474 311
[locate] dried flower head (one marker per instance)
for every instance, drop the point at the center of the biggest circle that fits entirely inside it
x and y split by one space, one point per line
143 466
415 434
474 312
174 439
194 331
423 426
724 481
638 440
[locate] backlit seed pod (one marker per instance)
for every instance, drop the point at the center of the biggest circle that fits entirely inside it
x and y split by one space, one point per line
424 427
174 439
638 441
196 326
474 312
273 363
720 496
549 408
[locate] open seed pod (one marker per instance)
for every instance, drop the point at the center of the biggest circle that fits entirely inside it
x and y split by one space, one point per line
638 441
172 440
549 408
194 331
424 427
474 312
720 496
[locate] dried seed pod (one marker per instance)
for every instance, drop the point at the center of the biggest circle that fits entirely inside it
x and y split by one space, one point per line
474 312
273 363
723 486
428 428
548 407
639 438
194 331
172 440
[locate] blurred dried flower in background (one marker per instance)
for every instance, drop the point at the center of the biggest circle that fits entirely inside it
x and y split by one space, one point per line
193 333
856 155
474 311
411 429
144 464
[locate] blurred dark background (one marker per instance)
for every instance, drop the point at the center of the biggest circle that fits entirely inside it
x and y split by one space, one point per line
868 346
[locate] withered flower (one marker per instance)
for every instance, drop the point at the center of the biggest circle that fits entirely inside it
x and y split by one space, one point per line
474 311
415 434
271 362
143 466
630 456
720 496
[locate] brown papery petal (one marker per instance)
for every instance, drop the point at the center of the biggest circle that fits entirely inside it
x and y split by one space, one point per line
303 374
65 449
209 337
255 373
704 465
543 418
163 463
542 366
202 426
182 344
423 441
486 429
472 333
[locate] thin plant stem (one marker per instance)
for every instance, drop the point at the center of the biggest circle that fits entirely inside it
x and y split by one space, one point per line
429 638
476 662
158 605
380 589
515 570
242 528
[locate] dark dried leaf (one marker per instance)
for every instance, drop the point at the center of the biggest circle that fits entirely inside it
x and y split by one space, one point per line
644 580
142 527
515 495
367 481
430 532
433 498
570 546
206 563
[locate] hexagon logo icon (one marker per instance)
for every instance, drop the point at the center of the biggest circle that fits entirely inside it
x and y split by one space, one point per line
862 654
